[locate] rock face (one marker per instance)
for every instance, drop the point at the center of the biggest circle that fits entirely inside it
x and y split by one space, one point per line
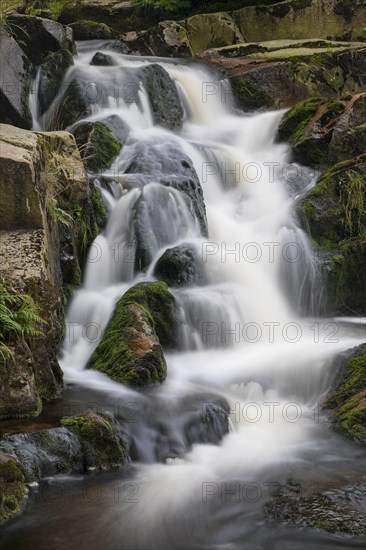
48 219
324 132
333 213
347 400
131 351
15 76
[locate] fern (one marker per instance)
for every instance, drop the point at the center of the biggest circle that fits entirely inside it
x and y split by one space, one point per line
19 317
57 213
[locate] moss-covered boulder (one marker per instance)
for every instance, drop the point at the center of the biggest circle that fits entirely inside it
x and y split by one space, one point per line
323 132
347 400
15 78
131 351
91 30
97 144
180 266
13 490
334 215
101 444
51 75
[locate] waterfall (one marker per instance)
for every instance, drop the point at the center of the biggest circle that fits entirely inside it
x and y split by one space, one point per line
250 333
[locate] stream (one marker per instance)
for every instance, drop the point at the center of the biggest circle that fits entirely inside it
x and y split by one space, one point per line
250 336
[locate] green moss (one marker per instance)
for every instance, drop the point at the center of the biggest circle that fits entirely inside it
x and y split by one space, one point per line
99 208
247 95
92 30
100 442
98 146
295 122
348 400
13 491
143 321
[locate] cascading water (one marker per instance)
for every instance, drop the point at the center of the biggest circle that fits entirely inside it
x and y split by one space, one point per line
245 337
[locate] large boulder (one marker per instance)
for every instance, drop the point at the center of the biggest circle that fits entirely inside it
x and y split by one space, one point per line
333 213
211 30
131 351
49 217
347 399
15 77
324 132
166 106
39 36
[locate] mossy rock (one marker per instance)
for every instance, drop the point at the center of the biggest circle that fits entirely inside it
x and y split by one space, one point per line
52 72
248 96
322 132
101 445
318 512
13 490
334 215
91 30
131 351
75 105
98 147
180 266
347 400
38 36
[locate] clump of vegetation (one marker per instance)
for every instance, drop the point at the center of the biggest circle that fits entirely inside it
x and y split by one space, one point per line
19 317
348 401
352 190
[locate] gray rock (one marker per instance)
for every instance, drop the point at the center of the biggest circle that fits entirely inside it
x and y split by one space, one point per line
39 36
15 76
164 99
